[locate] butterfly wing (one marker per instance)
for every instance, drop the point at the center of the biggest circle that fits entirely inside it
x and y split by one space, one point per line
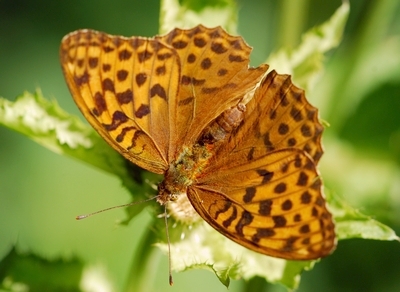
122 86
274 208
278 117
261 189
149 96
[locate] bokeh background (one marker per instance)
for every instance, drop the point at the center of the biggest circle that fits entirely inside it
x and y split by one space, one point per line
41 192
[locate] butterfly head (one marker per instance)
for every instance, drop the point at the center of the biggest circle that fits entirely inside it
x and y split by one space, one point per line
166 194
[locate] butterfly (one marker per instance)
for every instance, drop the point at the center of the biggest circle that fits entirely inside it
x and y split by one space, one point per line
241 144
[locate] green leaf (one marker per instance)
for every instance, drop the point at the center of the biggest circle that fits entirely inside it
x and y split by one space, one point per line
304 63
47 124
189 13
29 272
365 63
351 223
201 247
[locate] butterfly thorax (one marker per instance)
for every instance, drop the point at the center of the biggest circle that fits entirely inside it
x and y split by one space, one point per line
183 172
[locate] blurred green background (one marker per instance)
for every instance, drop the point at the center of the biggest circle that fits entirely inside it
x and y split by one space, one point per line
41 192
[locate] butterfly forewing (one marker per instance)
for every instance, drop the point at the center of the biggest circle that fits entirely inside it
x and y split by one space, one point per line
277 117
117 83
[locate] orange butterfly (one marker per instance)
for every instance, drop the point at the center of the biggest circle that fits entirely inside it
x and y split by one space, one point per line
240 144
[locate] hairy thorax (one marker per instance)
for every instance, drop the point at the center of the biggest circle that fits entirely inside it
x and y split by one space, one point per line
182 173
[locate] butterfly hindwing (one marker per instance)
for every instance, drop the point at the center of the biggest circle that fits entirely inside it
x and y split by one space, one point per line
272 205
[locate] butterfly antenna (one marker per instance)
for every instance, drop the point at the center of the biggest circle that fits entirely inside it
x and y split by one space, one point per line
171 281
80 217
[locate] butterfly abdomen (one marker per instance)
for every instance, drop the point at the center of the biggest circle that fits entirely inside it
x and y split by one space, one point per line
222 126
